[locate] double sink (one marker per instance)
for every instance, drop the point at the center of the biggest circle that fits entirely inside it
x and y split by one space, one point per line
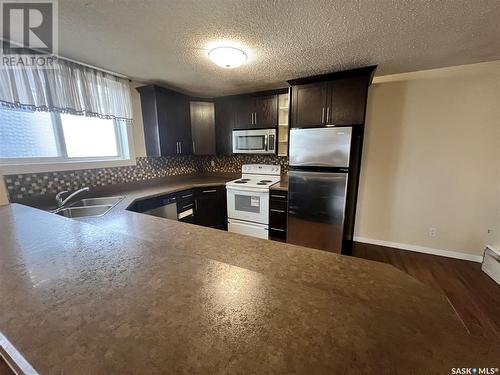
89 207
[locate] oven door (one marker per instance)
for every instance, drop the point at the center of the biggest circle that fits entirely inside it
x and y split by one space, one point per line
247 204
258 141
248 229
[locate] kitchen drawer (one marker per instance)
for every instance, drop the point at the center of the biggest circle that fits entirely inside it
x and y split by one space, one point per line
277 218
186 195
188 219
277 234
278 205
185 205
210 191
185 200
278 195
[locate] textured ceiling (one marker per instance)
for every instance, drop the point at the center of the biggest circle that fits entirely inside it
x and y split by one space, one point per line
165 41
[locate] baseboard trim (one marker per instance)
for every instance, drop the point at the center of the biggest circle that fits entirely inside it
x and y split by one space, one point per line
421 249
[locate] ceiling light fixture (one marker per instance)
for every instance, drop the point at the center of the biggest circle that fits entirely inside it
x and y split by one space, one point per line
227 57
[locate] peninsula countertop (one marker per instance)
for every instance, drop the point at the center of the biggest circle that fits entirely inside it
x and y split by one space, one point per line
132 293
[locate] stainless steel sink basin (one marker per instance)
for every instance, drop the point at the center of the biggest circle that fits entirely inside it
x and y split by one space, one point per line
88 211
97 201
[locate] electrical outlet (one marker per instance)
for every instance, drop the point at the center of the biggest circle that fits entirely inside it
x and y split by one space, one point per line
433 232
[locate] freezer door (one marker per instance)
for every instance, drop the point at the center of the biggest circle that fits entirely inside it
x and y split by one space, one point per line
320 147
316 209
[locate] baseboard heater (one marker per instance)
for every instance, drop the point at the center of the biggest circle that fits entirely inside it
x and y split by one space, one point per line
491 263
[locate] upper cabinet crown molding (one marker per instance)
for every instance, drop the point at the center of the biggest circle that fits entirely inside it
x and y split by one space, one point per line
366 71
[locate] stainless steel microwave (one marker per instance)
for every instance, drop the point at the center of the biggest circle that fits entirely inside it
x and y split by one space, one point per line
254 141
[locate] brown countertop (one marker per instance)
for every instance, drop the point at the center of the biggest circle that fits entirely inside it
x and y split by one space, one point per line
132 293
282 184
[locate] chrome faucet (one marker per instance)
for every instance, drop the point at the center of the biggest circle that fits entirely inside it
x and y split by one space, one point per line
61 203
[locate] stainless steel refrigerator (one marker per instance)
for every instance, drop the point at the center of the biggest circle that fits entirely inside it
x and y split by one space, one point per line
319 184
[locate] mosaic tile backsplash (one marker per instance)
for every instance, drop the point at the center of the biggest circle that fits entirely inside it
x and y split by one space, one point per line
29 185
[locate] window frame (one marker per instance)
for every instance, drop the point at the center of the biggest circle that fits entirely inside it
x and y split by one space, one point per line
124 146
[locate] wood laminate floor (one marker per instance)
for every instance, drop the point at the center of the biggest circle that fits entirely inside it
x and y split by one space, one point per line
475 296
4 368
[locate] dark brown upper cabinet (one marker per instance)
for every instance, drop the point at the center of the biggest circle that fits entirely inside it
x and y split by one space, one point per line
245 111
309 103
333 99
166 117
224 124
203 127
256 112
266 111
248 111
347 101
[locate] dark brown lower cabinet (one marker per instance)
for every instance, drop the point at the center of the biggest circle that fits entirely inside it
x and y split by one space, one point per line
278 203
208 205
185 206
210 208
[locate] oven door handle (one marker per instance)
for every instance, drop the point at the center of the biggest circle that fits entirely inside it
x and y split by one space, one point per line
247 189
246 224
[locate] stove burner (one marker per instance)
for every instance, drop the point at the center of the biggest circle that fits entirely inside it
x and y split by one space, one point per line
265 181
240 182
261 183
245 179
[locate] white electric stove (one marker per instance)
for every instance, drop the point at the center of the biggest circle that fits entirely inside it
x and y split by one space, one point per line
248 199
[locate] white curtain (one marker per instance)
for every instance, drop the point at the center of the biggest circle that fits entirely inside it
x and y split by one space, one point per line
68 88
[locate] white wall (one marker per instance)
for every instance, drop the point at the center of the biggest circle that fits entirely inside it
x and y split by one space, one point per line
432 159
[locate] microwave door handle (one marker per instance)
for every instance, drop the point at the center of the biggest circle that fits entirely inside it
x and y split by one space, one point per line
265 142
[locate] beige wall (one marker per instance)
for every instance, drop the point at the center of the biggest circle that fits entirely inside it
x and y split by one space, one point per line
138 126
3 192
432 159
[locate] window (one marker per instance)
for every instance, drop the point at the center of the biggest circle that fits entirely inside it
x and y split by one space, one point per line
28 137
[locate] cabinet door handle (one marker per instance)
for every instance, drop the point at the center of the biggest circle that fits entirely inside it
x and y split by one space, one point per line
280 211
186 196
187 206
176 147
327 114
255 118
278 230
195 205
278 196
323 115
194 147
209 191
180 147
